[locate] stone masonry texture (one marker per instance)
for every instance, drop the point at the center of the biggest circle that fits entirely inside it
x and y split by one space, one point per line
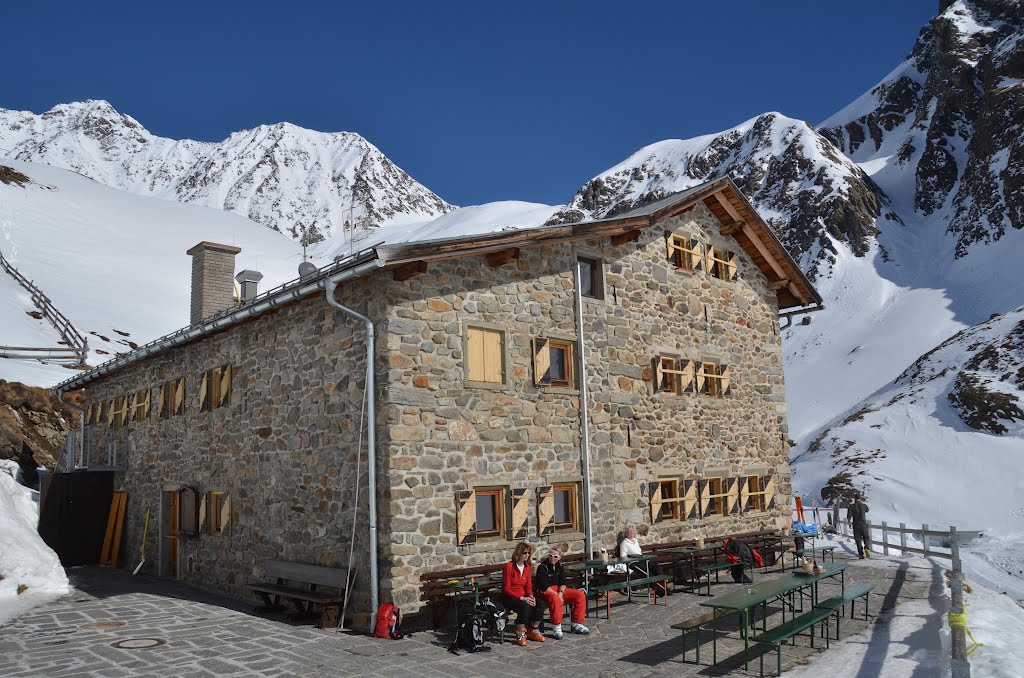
213 270
284 447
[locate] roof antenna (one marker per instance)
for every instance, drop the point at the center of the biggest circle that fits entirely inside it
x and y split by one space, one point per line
305 268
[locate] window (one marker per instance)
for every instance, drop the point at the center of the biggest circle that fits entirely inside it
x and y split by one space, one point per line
188 512
721 264
565 503
140 406
117 414
482 513
757 493
715 500
490 510
673 499
217 511
215 388
673 375
669 509
591 278
485 355
552 362
685 252
713 379
719 497
172 398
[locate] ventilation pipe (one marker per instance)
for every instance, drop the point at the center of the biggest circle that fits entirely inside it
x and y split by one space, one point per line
371 422
248 282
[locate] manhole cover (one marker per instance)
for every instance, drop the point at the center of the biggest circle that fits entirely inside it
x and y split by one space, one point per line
138 643
99 626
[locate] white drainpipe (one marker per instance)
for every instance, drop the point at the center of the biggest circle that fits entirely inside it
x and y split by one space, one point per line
581 372
371 421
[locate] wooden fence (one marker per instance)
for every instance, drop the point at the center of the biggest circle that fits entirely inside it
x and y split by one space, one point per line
77 348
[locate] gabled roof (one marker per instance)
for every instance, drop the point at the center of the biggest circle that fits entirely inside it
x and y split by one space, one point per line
738 217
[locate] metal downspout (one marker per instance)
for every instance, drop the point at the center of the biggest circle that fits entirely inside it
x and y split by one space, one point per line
584 416
371 424
73 462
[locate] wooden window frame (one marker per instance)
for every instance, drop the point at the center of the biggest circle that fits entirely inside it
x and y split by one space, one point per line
714 379
172 398
215 388
573 525
542 363
684 253
500 495
721 263
673 375
468 348
218 512
719 500
596 277
669 501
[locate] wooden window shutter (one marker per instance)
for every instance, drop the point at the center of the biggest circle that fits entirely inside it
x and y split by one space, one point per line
179 397
163 402
545 510
109 412
225 515
700 383
670 247
493 358
541 361
687 377
204 389
744 494
697 258
475 354
690 509
703 498
768 485
202 513
520 515
659 376
726 385
654 489
225 386
123 411
146 397
732 496
465 517
730 265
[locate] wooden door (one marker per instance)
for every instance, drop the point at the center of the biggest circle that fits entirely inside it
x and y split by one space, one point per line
169 534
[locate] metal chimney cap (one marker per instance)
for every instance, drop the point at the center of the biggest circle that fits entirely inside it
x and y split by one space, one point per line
249 276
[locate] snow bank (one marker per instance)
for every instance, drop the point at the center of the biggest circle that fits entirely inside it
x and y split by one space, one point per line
24 559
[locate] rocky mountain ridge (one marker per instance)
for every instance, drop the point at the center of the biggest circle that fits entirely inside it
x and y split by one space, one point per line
308 184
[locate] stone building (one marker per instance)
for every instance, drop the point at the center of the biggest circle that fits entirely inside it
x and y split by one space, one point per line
243 431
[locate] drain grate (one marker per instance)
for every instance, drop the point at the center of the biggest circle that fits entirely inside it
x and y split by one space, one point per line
99 626
138 643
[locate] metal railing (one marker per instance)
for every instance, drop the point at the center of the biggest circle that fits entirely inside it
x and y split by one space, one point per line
77 348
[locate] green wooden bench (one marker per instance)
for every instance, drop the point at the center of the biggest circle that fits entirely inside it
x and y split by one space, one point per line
783 632
849 595
694 624
823 550
621 585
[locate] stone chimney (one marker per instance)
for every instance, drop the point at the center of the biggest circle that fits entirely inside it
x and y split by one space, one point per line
249 280
213 269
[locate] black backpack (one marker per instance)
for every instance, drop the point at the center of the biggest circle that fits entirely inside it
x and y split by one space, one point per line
469 636
493 615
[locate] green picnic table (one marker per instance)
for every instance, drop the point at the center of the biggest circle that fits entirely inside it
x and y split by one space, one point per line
748 598
692 553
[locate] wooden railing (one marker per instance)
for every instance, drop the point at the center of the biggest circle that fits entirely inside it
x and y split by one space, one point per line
77 348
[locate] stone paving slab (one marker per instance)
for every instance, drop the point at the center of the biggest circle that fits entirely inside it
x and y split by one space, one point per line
205 635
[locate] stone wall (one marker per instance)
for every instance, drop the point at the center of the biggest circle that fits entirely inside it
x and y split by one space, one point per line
443 437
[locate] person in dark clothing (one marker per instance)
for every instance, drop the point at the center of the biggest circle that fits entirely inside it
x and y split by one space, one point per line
857 513
549 584
27 462
744 556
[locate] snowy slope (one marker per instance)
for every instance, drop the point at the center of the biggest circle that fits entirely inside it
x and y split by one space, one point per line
114 263
298 181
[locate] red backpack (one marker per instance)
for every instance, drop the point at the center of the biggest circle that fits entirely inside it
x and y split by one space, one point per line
388 620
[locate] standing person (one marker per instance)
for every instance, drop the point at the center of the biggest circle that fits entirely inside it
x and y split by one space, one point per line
630 547
857 513
517 594
550 584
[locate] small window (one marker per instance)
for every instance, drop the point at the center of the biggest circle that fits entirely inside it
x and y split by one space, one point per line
119 412
673 375
755 493
140 406
215 388
669 500
485 356
566 501
713 379
715 504
219 512
172 398
721 263
490 512
591 278
552 362
685 252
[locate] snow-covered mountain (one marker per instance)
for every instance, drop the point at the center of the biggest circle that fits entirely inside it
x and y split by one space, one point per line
294 180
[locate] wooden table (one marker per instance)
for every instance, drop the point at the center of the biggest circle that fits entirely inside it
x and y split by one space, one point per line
462 587
588 566
762 593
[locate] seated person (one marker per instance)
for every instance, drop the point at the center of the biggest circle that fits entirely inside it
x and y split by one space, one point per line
631 547
517 595
549 583
743 556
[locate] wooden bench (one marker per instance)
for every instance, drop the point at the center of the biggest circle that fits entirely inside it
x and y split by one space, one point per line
694 624
665 579
778 635
823 550
849 595
305 598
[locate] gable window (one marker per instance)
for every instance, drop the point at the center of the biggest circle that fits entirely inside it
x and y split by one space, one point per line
685 252
172 398
673 375
215 388
591 278
552 362
713 379
721 263
485 355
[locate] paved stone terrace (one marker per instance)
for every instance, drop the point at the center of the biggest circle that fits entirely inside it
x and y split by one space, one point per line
209 636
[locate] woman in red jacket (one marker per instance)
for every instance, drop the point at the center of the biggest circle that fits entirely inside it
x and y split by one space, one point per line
517 594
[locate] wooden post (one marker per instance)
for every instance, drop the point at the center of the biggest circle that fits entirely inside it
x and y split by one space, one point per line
924 539
903 539
885 538
958 662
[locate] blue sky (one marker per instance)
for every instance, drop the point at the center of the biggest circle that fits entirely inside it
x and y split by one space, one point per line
479 101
